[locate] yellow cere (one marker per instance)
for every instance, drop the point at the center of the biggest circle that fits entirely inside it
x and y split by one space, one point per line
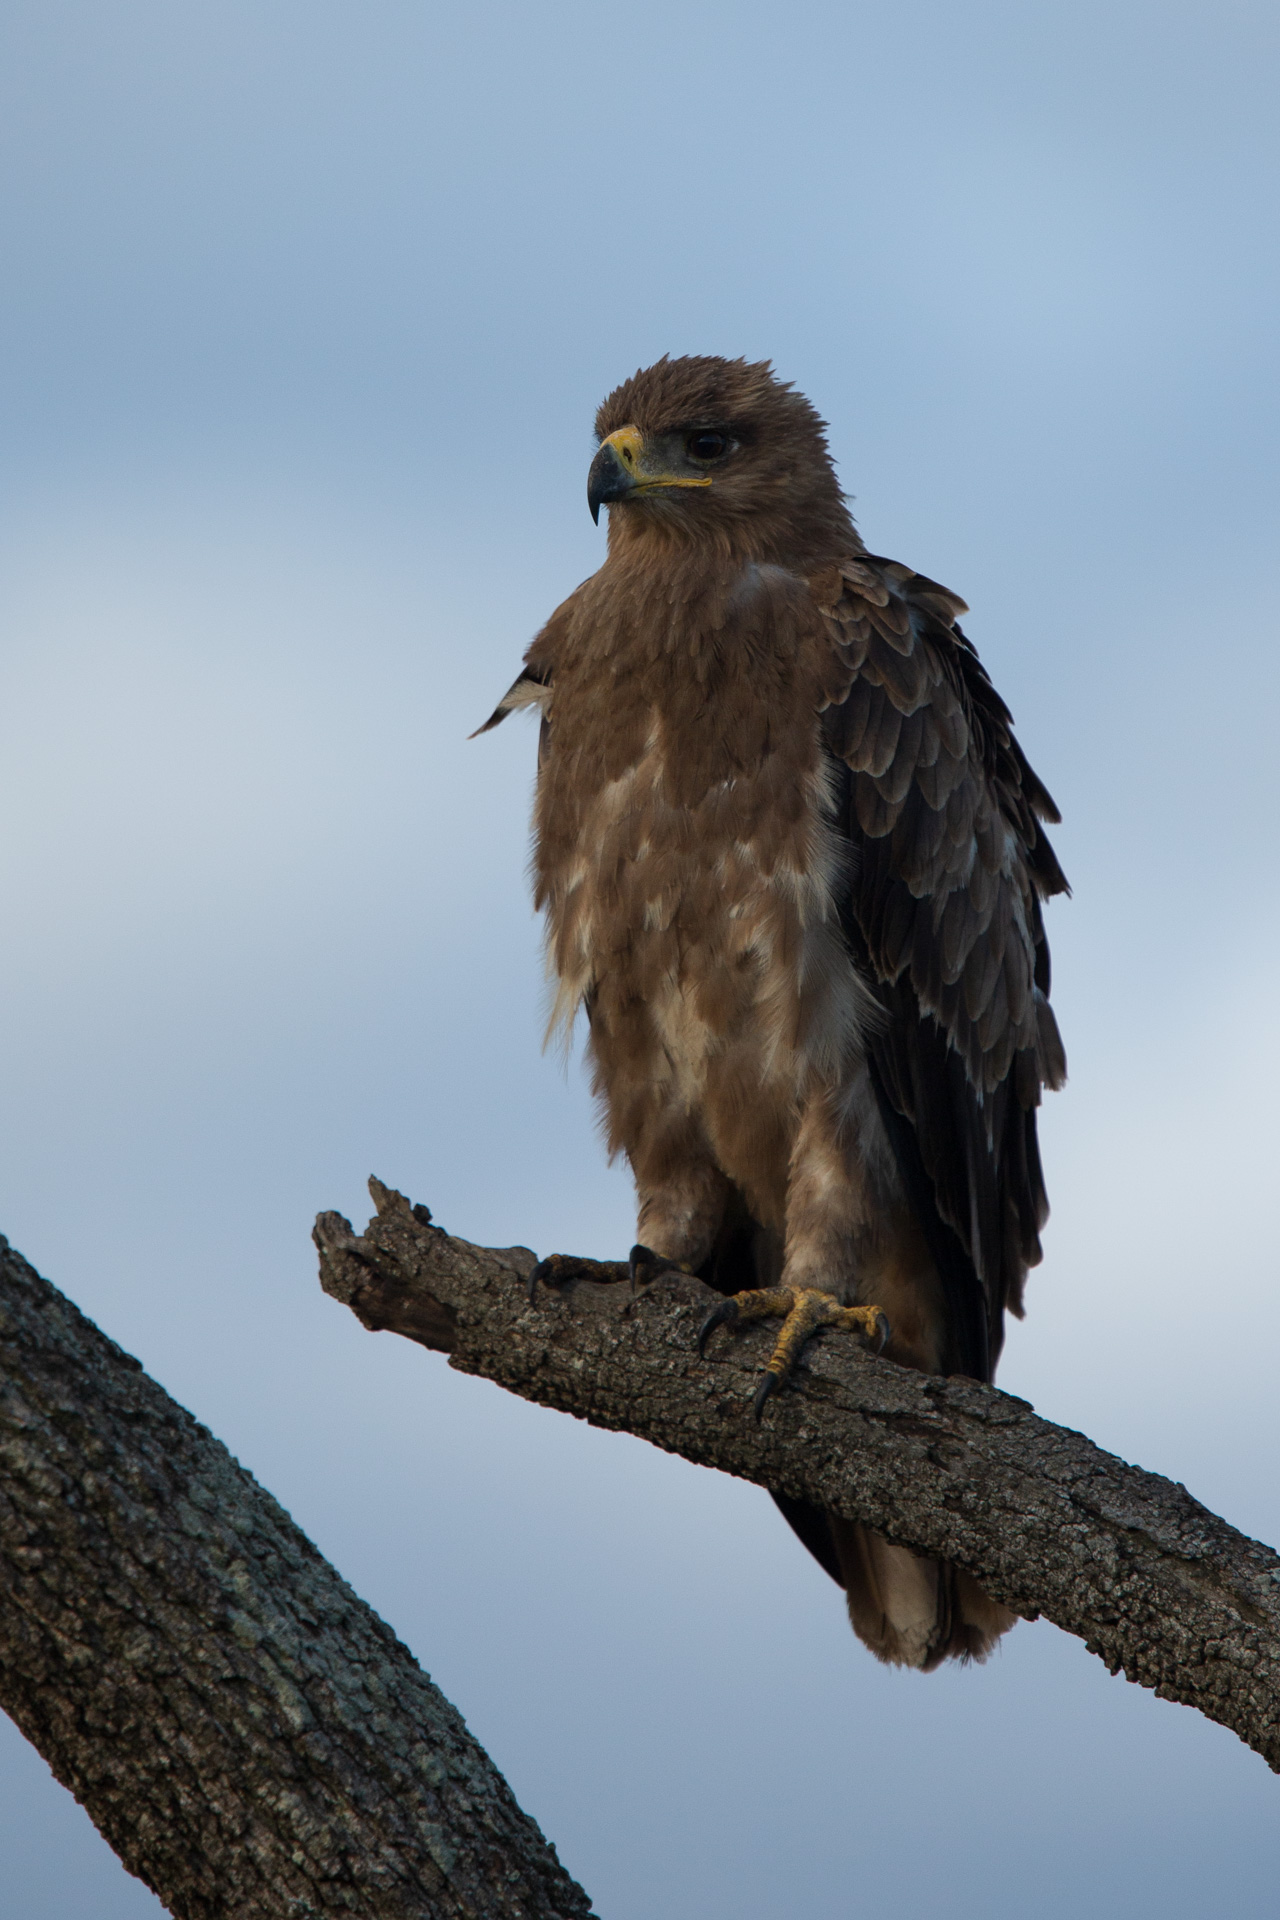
628 444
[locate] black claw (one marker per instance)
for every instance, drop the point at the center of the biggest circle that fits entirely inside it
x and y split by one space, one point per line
767 1384
882 1333
719 1316
644 1265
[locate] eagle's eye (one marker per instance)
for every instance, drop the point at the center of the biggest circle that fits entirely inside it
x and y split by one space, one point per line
707 446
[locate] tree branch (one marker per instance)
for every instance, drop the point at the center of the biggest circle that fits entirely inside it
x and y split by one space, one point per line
1153 1583
243 1729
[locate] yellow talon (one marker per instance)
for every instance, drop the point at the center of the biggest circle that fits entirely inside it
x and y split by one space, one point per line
803 1311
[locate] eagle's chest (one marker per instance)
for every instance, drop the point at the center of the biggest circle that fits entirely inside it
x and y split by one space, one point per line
697 916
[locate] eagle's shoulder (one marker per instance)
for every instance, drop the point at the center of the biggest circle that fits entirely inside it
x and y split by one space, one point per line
912 707
533 686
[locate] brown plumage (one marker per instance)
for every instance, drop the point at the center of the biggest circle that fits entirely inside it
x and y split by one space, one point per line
790 857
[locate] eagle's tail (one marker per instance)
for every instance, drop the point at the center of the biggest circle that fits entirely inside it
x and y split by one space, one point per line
913 1612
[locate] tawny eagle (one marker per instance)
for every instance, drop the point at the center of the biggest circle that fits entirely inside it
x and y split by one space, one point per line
792 865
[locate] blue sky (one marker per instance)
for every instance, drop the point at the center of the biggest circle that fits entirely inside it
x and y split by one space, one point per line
306 311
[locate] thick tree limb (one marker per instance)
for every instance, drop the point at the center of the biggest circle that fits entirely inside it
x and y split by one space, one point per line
1154 1584
244 1730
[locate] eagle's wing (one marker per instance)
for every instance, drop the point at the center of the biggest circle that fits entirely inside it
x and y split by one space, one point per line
943 913
533 685
530 688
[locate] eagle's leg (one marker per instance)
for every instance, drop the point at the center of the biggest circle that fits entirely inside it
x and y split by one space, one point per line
561 1269
803 1311
679 1207
827 1217
639 1269
678 1219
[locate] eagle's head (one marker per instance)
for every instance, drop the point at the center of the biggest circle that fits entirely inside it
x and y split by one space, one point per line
720 453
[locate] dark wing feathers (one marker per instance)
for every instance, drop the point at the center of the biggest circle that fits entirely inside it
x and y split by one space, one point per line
945 914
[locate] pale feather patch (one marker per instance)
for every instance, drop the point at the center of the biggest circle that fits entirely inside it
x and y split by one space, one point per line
811 1006
571 962
757 578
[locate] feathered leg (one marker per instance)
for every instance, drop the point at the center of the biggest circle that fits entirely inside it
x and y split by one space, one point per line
679 1216
827 1216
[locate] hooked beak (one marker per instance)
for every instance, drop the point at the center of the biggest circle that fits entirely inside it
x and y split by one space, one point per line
625 466
612 474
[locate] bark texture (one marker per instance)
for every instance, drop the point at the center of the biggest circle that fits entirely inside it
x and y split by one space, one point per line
1153 1583
247 1734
